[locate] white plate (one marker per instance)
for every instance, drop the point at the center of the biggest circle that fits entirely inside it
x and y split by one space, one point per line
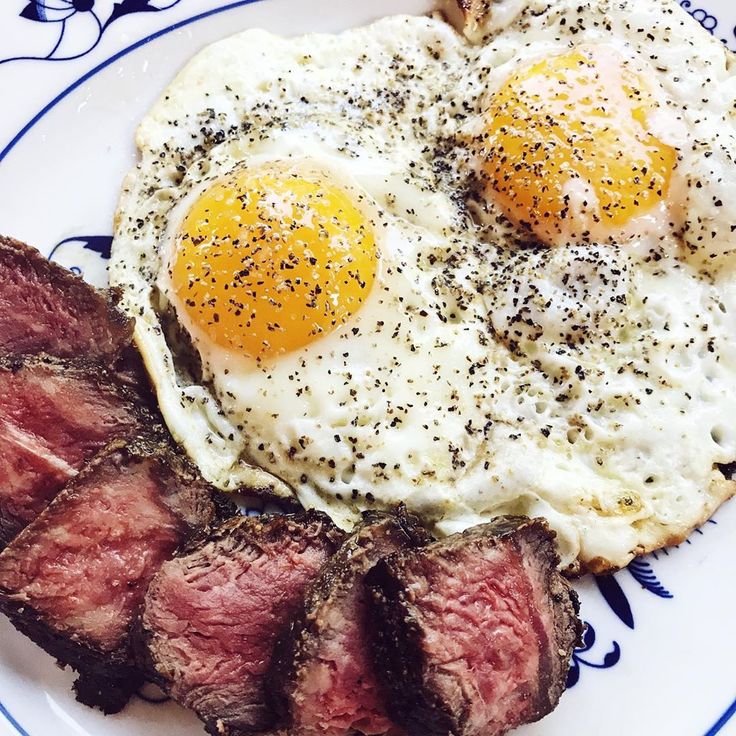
660 653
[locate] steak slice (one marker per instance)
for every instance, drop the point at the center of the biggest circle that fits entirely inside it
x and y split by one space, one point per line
322 673
54 415
44 308
212 615
74 579
473 634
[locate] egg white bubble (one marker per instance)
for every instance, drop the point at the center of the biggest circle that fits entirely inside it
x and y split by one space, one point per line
593 384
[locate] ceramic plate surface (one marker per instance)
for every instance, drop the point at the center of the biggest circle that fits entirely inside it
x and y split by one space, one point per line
659 655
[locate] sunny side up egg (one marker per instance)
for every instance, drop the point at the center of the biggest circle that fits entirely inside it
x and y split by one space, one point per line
479 278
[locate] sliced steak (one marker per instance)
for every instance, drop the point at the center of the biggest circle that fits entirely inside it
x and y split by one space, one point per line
322 673
44 308
74 579
473 634
54 415
212 615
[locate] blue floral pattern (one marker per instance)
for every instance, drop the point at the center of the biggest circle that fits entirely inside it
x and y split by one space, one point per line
610 658
708 21
76 27
85 255
613 594
642 572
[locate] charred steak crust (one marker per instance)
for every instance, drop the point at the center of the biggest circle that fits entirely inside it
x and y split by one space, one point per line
108 674
567 630
74 318
404 660
397 638
164 650
327 616
55 413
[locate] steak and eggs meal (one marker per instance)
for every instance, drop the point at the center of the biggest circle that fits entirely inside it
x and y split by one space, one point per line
460 301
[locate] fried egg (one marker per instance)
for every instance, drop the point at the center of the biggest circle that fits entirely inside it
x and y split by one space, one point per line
477 275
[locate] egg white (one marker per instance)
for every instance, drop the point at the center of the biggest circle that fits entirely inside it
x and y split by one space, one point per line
591 384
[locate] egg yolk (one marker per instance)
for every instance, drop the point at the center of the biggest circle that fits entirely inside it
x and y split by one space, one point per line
268 261
567 152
